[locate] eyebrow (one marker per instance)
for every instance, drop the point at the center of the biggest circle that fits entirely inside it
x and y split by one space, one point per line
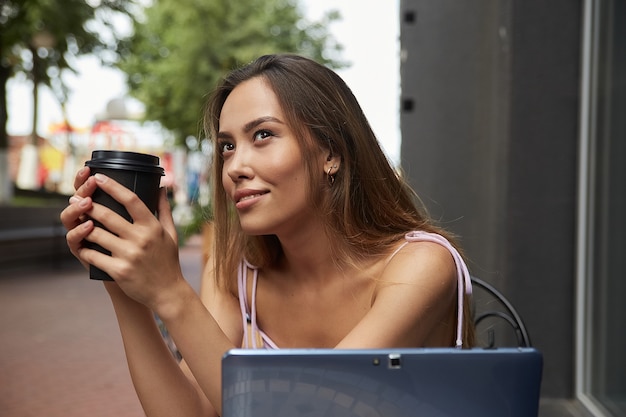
251 125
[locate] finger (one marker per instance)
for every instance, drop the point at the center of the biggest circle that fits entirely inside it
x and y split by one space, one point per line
165 214
75 239
86 188
108 219
104 238
77 235
98 259
112 221
81 176
73 214
123 258
131 202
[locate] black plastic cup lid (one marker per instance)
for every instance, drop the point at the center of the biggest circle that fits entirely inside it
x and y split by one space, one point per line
132 161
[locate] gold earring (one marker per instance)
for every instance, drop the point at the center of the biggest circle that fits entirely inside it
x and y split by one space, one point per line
331 178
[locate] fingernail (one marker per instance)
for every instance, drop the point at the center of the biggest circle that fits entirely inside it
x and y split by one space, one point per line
74 199
83 203
100 178
82 171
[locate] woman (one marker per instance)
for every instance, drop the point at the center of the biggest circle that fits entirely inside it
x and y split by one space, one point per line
318 243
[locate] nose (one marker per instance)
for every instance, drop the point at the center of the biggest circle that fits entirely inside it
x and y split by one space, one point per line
238 165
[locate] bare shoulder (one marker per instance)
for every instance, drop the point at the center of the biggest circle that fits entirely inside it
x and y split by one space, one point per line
223 305
413 300
420 262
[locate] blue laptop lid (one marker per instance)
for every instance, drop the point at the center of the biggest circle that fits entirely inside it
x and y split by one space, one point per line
440 382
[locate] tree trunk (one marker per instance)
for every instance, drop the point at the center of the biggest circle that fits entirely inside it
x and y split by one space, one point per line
29 158
6 188
35 73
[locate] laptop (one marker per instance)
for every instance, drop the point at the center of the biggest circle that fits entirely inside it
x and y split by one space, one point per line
431 382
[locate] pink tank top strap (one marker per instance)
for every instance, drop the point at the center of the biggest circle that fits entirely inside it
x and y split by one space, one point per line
463 275
253 337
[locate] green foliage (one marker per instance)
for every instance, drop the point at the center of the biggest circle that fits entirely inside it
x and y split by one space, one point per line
200 216
46 36
182 48
67 28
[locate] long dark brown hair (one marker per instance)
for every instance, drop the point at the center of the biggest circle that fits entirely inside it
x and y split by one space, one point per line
367 209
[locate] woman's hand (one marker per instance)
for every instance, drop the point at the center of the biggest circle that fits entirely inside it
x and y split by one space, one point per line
73 216
144 254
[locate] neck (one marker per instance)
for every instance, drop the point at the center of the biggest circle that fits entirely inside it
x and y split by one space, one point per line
308 254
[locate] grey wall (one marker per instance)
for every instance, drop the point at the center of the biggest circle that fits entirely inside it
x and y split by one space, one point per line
490 93
454 121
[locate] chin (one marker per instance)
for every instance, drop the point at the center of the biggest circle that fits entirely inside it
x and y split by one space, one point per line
254 229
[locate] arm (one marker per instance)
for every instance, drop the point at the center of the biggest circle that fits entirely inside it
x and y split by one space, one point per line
144 263
413 303
161 385
225 309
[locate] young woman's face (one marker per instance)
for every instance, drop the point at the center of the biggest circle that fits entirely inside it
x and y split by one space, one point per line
263 170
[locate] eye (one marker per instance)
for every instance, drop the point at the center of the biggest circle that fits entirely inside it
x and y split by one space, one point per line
225 147
262 134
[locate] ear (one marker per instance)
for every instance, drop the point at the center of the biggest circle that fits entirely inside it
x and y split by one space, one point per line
331 166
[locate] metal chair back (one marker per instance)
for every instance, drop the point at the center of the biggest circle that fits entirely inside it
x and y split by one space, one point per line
493 313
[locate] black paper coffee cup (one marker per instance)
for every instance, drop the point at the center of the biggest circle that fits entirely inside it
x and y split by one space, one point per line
138 172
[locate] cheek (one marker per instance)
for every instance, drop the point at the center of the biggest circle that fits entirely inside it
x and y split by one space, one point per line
284 167
297 186
293 174
227 184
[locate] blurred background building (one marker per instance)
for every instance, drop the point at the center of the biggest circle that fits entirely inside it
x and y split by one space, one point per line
514 135
65 148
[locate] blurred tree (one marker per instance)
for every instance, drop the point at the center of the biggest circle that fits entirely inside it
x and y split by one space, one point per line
181 48
42 38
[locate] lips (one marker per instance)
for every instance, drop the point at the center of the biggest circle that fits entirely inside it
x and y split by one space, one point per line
243 198
249 197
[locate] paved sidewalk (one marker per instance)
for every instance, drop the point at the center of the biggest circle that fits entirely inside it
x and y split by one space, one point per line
61 353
